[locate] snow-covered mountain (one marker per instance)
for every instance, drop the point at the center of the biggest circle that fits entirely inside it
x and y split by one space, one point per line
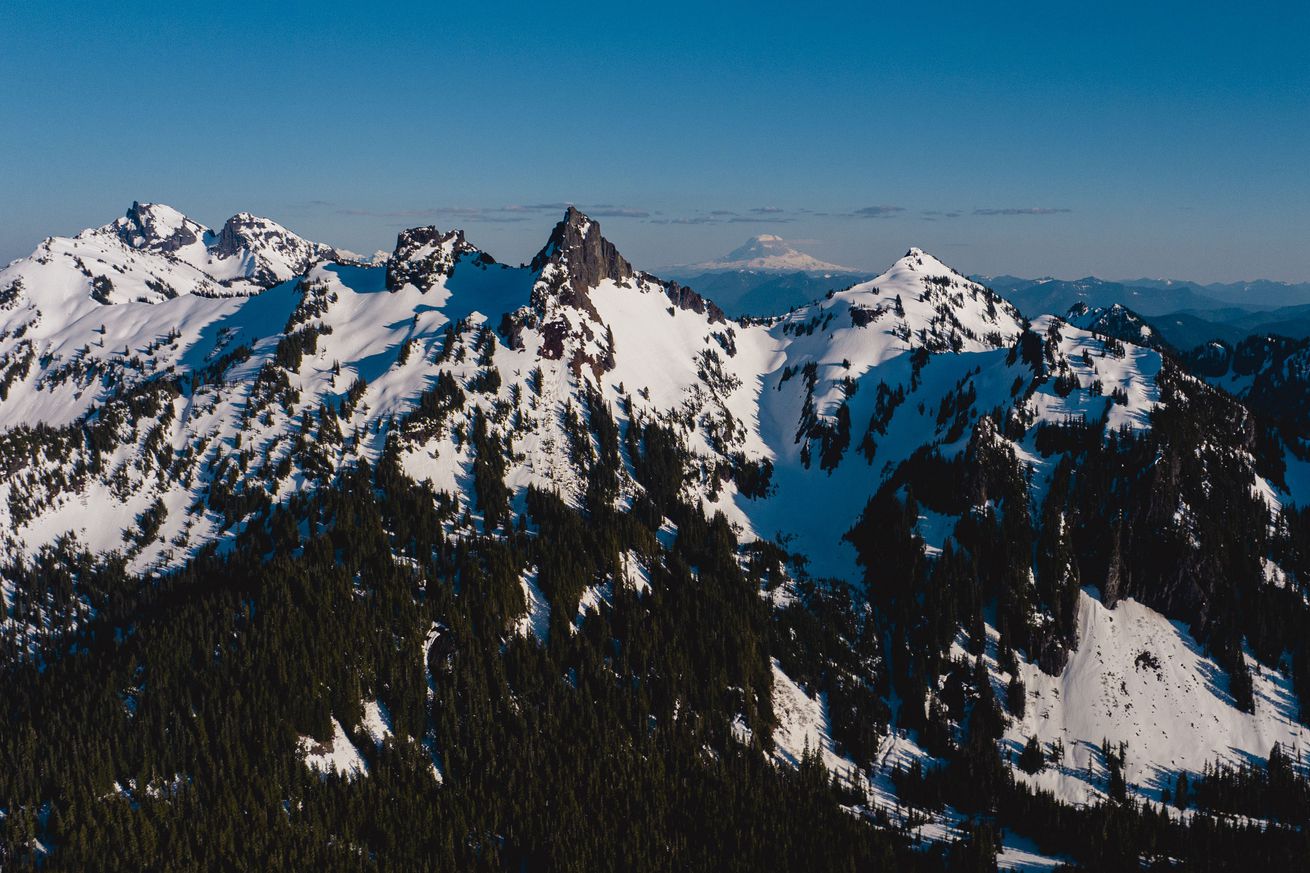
164 387
765 274
578 313
771 254
1120 322
156 253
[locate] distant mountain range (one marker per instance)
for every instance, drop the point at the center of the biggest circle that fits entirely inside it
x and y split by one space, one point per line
1256 292
1053 296
1183 315
1146 296
767 275
1188 329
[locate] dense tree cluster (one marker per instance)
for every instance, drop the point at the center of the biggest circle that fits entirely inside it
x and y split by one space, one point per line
162 731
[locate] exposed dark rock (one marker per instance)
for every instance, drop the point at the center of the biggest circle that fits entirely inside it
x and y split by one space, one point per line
245 233
863 316
512 325
575 260
424 254
553 335
685 298
145 229
585 257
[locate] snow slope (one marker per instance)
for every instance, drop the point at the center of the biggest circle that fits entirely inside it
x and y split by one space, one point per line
338 756
1139 678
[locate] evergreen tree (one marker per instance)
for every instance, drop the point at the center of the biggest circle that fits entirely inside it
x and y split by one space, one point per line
1031 759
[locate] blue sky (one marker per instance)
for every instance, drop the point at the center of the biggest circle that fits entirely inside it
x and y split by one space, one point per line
1116 139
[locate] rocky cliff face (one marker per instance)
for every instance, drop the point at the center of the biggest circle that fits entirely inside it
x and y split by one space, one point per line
583 258
424 255
157 228
274 253
575 261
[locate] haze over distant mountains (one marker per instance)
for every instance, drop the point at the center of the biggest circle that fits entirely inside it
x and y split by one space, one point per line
1186 314
765 275
1147 296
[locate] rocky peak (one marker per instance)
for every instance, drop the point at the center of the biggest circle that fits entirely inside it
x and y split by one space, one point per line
582 256
1119 322
246 232
423 255
926 304
157 228
918 261
276 253
576 259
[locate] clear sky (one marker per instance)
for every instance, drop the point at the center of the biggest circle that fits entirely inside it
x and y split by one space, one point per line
1121 139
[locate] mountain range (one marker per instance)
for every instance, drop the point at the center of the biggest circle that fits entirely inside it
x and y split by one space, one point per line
768 274
444 562
1151 297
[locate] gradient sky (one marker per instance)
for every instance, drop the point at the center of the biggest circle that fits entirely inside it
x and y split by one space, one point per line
1121 139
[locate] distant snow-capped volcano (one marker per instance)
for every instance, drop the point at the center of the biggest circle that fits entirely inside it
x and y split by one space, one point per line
772 254
766 274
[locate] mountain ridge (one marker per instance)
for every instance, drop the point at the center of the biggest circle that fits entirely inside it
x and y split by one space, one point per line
576 450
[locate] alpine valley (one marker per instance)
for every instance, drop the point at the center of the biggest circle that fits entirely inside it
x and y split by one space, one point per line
310 562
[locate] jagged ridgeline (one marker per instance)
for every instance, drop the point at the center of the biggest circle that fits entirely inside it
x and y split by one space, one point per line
434 562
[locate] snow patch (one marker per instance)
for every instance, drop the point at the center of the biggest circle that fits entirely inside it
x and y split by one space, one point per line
337 756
